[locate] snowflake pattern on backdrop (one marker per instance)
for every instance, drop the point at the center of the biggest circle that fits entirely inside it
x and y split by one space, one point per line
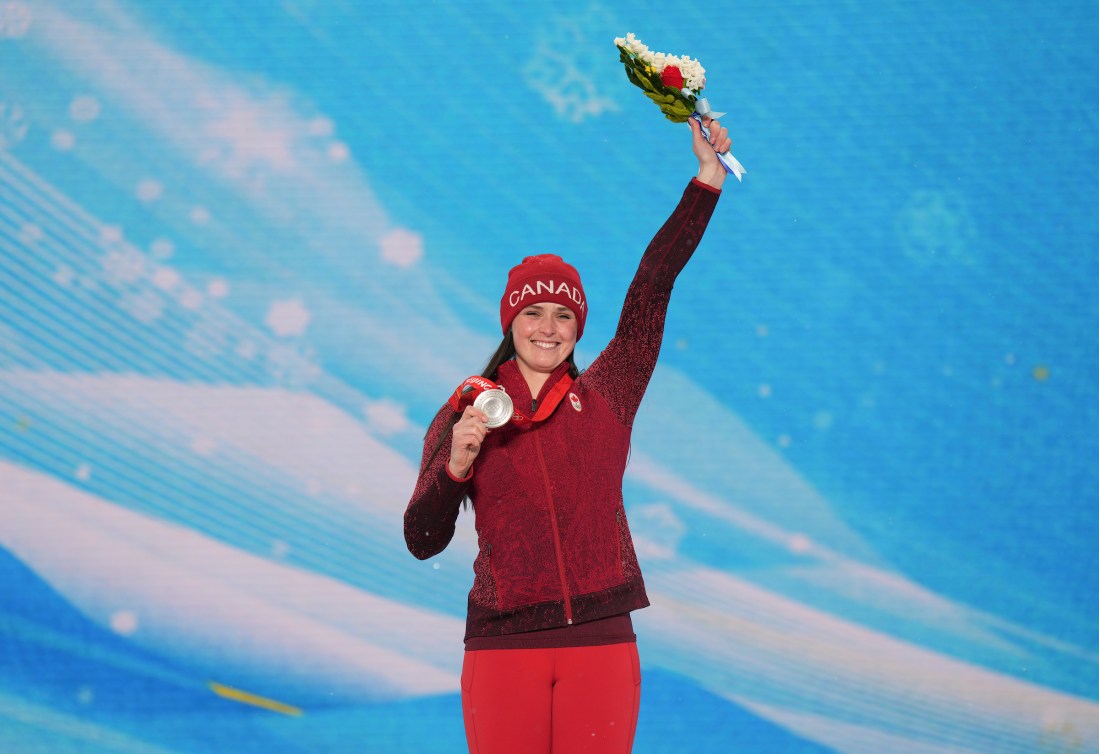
557 69
936 227
13 125
15 20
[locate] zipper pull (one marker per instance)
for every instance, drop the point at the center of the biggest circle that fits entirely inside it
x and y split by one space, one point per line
533 405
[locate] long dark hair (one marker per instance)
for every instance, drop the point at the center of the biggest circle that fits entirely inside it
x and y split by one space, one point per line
504 352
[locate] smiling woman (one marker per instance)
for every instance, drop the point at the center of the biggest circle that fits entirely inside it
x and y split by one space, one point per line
551 663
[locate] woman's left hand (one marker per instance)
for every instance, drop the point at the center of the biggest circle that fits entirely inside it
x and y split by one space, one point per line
710 169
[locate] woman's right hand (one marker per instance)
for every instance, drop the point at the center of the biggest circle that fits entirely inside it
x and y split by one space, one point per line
466 439
710 170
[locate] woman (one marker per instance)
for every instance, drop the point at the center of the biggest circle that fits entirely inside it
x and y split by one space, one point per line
551 661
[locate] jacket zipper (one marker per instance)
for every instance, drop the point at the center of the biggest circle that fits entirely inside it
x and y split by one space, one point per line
556 533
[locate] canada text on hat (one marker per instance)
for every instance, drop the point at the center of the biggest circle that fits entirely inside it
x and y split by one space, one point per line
553 289
545 278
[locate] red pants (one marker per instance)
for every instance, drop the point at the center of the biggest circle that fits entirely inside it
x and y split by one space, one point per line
551 701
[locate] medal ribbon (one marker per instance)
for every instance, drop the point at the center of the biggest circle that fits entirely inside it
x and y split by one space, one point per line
549 403
467 392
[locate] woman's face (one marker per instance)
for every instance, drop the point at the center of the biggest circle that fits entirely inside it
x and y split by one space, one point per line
544 336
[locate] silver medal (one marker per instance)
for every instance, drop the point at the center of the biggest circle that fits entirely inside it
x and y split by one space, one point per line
497 407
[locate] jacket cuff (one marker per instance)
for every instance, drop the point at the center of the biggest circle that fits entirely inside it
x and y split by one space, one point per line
459 480
706 186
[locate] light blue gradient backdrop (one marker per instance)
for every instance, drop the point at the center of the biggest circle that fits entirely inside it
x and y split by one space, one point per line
247 249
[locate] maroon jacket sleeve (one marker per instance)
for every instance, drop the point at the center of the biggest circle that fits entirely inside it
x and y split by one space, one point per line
433 510
622 371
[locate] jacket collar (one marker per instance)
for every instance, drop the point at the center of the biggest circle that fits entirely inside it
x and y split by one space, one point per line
515 384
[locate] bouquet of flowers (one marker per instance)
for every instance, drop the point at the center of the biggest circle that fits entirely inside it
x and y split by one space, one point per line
673 83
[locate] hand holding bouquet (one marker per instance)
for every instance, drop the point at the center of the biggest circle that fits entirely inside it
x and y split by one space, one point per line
673 84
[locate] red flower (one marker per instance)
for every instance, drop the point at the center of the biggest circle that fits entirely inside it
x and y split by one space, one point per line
672 77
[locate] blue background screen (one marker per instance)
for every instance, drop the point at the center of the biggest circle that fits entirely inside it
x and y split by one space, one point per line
248 249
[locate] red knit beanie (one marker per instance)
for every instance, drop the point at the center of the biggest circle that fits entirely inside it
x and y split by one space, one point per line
545 278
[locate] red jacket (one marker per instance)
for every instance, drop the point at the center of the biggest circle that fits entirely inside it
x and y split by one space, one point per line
554 545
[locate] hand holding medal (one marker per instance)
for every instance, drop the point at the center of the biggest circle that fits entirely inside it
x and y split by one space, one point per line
673 83
485 396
